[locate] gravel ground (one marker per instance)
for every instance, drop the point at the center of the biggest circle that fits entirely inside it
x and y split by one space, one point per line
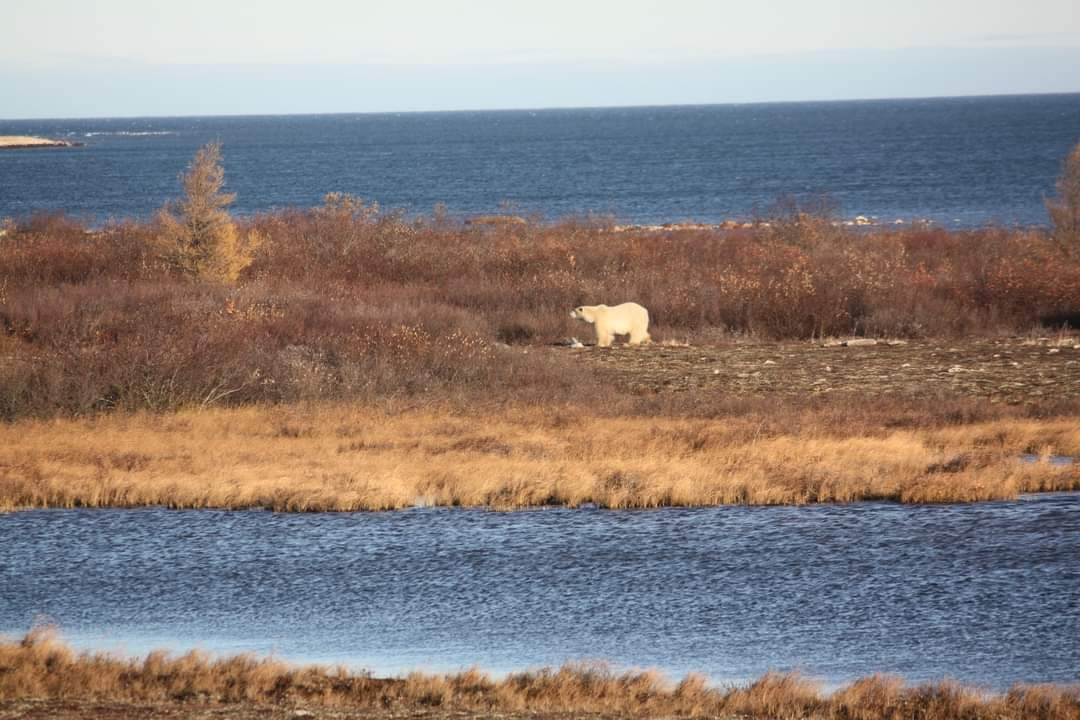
1002 370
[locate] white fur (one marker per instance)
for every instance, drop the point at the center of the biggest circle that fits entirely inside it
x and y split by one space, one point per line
626 319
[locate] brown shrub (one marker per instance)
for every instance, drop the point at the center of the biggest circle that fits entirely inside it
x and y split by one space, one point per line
54 249
1065 208
344 300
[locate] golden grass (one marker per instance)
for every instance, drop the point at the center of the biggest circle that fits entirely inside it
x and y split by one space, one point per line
320 457
40 667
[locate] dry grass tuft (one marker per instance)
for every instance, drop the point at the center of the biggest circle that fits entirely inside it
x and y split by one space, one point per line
775 695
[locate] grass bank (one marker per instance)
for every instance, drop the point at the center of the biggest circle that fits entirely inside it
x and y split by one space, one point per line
41 676
339 457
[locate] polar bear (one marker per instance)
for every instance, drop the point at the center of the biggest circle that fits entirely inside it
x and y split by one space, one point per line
626 319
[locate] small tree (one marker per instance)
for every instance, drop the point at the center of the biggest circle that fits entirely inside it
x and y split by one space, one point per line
197 234
1065 208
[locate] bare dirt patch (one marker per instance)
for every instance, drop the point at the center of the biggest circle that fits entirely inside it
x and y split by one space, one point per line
1009 370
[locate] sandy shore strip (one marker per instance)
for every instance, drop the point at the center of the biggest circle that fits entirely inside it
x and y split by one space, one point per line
11 142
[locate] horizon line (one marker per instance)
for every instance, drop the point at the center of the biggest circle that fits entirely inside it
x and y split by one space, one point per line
550 108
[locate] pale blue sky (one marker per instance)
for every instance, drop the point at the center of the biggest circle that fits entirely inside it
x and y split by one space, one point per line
147 57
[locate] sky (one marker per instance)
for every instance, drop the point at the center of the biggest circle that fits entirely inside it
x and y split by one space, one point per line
107 58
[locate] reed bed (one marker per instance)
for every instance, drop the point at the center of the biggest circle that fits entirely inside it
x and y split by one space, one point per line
40 667
342 458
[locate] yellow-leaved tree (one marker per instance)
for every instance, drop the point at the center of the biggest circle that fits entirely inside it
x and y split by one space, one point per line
196 233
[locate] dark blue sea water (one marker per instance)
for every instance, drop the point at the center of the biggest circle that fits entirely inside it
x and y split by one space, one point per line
986 593
959 161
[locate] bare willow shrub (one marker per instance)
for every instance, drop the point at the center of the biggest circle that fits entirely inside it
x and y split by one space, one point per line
342 227
803 222
1065 208
197 235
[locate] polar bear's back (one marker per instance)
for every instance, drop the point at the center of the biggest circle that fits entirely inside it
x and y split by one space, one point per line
629 318
625 317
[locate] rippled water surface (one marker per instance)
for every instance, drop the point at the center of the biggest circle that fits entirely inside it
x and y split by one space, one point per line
957 161
986 593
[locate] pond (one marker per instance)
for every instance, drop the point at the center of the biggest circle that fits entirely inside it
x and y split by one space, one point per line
984 593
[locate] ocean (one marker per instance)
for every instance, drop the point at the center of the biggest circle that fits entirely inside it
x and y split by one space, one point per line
959 162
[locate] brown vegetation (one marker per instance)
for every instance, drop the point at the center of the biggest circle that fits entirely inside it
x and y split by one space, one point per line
42 669
424 322
306 458
343 302
1065 208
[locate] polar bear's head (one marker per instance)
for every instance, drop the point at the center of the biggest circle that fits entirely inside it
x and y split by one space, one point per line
583 312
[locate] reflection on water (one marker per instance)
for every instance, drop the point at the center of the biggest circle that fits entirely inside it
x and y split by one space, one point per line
986 593
1051 459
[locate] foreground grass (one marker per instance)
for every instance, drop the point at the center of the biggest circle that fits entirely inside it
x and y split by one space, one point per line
332 457
39 668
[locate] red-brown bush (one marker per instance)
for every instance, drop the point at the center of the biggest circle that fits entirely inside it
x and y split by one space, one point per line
346 301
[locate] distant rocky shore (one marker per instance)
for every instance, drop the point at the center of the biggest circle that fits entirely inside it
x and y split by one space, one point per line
857 221
12 142
730 224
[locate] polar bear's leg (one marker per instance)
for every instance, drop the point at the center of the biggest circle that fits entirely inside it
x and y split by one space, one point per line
638 337
604 338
